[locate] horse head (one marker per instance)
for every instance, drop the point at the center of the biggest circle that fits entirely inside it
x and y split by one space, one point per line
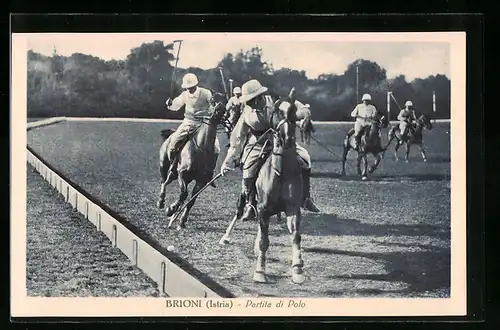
218 103
425 121
284 119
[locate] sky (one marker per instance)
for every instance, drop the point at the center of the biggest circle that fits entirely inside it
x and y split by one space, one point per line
315 55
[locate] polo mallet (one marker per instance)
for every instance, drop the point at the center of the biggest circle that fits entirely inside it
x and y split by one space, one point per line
231 85
175 67
176 215
223 82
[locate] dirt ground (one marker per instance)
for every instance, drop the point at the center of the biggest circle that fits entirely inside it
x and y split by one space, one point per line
386 237
68 257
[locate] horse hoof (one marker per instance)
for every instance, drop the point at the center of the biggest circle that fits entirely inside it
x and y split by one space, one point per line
298 278
169 211
407 161
364 178
342 173
181 227
259 277
224 241
160 204
425 160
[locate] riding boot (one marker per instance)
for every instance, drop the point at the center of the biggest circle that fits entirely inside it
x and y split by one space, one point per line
214 163
249 213
308 203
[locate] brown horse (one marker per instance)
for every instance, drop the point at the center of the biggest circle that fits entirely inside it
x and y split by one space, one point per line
306 130
414 136
196 161
279 188
370 144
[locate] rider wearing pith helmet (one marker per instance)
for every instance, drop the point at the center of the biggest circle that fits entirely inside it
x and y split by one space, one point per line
406 118
247 146
189 81
196 100
364 114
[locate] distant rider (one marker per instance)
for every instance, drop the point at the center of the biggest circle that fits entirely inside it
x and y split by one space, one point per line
407 118
364 113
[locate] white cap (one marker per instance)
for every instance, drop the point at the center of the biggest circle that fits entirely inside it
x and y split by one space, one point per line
366 97
251 89
237 90
189 80
408 104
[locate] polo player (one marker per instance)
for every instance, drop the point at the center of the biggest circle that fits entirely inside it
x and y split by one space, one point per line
364 113
233 105
197 106
253 123
407 119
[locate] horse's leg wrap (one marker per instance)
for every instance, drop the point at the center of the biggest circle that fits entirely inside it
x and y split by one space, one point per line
248 191
307 202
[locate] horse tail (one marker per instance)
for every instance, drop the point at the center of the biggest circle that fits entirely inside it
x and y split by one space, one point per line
166 133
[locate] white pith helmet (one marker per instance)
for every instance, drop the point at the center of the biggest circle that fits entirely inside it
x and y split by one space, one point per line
237 90
189 80
366 97
251 89
408 104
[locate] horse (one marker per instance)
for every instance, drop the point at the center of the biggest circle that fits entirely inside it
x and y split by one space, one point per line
306 130
414 136
195 162
370 144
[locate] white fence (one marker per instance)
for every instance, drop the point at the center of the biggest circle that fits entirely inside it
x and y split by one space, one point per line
172 280
155 120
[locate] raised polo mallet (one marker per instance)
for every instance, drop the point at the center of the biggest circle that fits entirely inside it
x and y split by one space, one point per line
223 82
231 85
175 67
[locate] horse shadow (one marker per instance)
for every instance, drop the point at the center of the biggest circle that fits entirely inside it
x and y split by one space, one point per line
328 225
384 178
423 271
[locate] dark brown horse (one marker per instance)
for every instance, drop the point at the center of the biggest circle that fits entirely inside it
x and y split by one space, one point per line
370 144
196 160
414 136
306 130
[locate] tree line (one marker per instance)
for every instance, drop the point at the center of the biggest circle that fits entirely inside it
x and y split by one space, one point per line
85 85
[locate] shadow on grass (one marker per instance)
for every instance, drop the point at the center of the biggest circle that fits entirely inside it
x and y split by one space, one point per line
423 271
327 225
383 178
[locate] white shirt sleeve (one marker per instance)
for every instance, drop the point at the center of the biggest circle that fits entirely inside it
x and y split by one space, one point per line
178 102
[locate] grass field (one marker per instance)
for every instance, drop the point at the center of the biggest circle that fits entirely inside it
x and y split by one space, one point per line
67 257
386 237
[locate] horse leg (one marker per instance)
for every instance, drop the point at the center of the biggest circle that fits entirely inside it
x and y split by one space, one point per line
293 223
365 166
396 149
407 152
358 163
262 238
344 155
164 167
422 151
301 136
240 207
172 208
185 214
373 167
